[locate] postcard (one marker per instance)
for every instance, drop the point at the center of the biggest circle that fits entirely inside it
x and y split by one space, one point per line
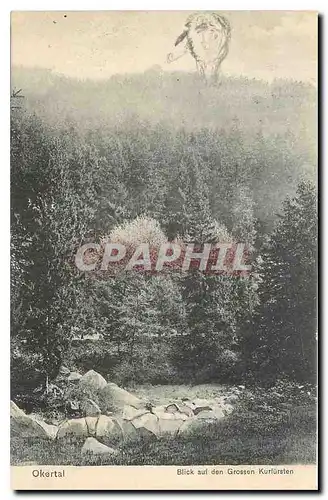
164 250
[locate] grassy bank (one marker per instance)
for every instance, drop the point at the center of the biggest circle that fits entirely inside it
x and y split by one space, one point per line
245 437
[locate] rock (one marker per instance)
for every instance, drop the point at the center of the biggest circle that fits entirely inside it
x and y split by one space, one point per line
91 425
189 404
201 403
64 371
209 415
159 411
129 431
214 411
90 408
93 447
146 425
74 377
129 412
178 407
108 429
15 411
23 425
170 424
186 410
50 429
93 380
172 408
198 405
75 427
116 398
199 409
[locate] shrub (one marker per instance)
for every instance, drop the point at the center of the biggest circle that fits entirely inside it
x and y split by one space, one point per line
150 364
84 355
138 231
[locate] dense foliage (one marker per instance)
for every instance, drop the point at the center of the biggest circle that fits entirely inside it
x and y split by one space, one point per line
215 184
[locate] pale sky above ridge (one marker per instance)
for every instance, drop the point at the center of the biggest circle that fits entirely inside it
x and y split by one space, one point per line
98 44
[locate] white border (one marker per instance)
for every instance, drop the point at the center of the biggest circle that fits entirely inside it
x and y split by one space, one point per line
167 5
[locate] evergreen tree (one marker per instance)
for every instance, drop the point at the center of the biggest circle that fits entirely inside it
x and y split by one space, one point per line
52 206
284 341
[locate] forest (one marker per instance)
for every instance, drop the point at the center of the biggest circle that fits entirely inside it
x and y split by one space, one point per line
157 158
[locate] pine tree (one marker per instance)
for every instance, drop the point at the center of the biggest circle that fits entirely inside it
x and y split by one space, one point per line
243 228
284 342
200 225
52 206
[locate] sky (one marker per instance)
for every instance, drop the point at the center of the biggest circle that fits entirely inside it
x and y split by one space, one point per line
98 44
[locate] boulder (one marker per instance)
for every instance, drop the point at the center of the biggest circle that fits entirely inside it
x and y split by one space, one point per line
116 398
15 411
91 425
172 408
216 412
93 447
76 427
201 405
189 404
90 408
23 425
201 402
179 408
74 377
170 424
210 415
146 425
129 412
93 380
108 429
186 410
197 405
50 429
159 410
129 431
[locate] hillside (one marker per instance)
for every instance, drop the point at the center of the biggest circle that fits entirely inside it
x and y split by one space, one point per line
176 99
264 131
